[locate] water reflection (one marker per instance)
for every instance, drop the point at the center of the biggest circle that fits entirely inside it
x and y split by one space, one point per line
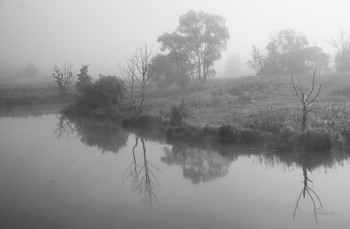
142 178
198 165
311 194
106 136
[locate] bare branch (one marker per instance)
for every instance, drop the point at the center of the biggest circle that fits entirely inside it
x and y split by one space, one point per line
313 86
295 88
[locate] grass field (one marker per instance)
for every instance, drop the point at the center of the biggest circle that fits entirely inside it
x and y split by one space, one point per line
265 103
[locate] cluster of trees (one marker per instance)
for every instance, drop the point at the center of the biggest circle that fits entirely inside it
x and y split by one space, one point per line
288 51
188 53
192 49
106 93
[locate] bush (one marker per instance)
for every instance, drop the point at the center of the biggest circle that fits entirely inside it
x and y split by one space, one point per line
314 141
107 95
227 134
177 114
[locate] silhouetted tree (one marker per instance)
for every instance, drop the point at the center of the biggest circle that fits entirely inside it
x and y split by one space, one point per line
139 75
200 38
84 80
306 100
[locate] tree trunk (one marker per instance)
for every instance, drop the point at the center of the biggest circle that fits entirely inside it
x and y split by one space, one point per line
304 118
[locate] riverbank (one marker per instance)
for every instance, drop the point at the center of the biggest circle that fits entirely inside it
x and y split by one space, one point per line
245 110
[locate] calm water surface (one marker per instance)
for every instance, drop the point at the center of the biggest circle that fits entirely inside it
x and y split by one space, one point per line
58 174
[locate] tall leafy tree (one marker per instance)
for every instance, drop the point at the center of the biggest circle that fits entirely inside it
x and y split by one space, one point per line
197 42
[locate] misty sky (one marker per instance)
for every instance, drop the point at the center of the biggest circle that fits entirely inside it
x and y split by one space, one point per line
102 33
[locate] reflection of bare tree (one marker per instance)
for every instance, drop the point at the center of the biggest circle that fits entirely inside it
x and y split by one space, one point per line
143 179
311 193
131 172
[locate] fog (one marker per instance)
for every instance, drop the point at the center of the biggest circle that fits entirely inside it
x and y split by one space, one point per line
102 33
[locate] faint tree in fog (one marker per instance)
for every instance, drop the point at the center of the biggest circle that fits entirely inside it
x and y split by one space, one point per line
257 61
288 51
200 37
84 80
139 75
342 45
63 78
30 71
306 100
169 71
233 66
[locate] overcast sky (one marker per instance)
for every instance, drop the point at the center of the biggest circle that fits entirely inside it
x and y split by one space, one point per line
102 33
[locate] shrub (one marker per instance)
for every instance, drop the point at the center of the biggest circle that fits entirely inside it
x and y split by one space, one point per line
106 94
177 114
227 134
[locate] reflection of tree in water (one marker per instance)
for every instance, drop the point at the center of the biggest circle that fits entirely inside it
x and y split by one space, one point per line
198 165
142 178
307 161
106 136
64 127
307 191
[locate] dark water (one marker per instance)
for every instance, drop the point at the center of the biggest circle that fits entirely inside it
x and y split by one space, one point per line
58 174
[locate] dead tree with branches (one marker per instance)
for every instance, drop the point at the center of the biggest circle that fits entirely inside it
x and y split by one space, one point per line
306 99
139 75
63 78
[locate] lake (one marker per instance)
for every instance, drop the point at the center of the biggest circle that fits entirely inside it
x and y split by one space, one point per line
55 173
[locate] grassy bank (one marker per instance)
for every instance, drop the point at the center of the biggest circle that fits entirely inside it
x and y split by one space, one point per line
251 109
18 97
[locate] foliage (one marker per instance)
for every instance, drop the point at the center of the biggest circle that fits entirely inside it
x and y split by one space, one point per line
168 72
342 45
84 80
197 43
63 78
178 113
107 93
288 51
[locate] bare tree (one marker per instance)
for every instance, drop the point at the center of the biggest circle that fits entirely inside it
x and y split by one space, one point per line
306 100
63 77
139 75
311 193
342 45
